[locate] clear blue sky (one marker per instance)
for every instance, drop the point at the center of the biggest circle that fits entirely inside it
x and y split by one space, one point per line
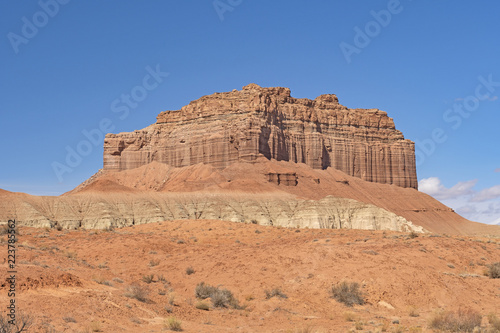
65 68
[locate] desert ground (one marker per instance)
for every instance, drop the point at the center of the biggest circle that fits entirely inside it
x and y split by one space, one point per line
136 279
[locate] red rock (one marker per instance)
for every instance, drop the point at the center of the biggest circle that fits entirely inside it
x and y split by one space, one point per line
236 126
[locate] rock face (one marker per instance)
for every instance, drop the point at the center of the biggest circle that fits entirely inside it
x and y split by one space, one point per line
102 211
236 126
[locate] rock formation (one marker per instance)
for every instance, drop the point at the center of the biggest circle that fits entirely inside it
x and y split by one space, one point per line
238 126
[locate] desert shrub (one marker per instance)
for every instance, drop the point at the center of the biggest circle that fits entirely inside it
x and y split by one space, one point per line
171 299
95 326
202 306
173 324
494 270
68 320
347 293
153 263
349 316
204 291
275 292
494 321
101 280
413 312
189 270
137 292
4 228
221 298
464 320
148 278
23 322
413 234
118 280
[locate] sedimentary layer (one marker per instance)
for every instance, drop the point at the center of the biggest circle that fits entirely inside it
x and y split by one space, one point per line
225 128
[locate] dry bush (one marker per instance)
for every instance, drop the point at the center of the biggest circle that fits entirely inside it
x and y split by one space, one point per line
494 270
23 322
275 292
349 316
413 312
153 263
95 326
494 321
189 270
204 291
137 292
148 278
464 320
202 306
173 324
221 298
347 293
103 281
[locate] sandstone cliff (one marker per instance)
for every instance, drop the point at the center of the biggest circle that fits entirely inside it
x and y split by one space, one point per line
237 126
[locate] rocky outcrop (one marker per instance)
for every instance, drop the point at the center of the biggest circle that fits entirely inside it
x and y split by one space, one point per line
236 126
287 179
104 211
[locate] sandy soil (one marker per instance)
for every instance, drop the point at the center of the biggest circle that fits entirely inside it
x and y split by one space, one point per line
76 281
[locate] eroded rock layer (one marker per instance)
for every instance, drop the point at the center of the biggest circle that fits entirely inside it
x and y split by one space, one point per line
237 126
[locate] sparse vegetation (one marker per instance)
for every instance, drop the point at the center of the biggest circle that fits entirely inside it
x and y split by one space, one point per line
413 312
464 320
494 322
275 292
173 324
494 270
153 263
171 299
189 270
137 292
347 293
103 281
201 305
204 291
413 234
221 298
23 322
70 255
349 316
67 319
118 280
148 278
95 326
